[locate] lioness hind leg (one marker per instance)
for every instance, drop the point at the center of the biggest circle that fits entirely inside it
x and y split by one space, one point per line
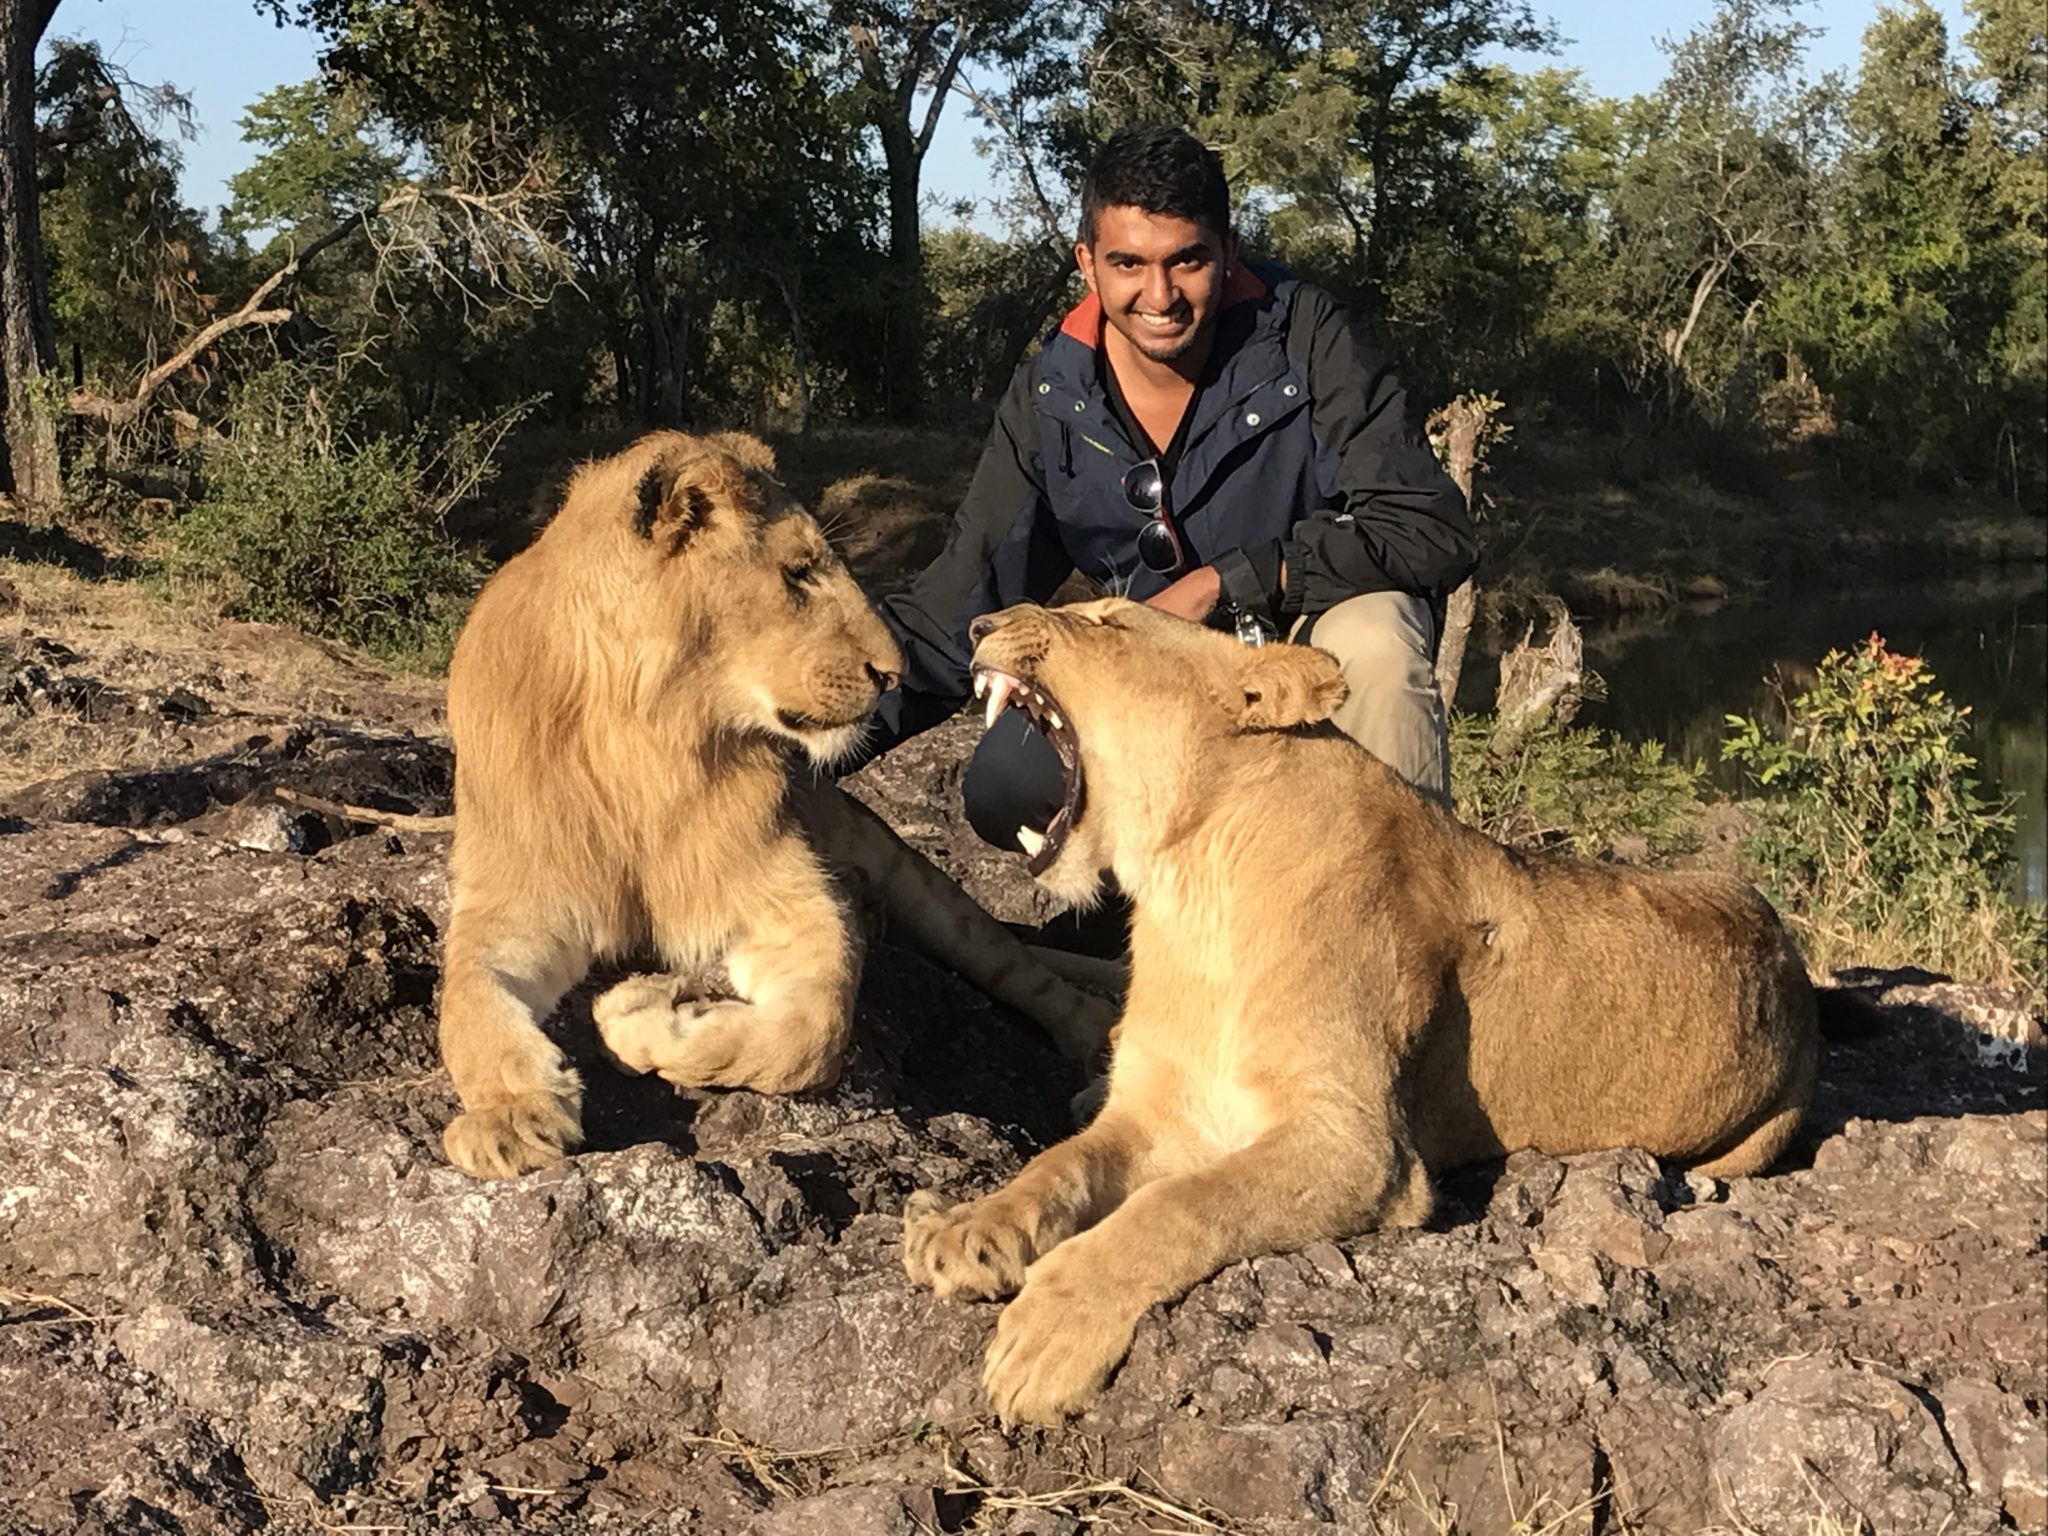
522 1101
1758 1150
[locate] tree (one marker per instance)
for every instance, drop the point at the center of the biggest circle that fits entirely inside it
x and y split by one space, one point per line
1333 110
1923 324
687 140
904 50
128 262
1720 201
2009 138
28 344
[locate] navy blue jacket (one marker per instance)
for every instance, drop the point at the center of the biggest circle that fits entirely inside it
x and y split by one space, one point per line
1301 449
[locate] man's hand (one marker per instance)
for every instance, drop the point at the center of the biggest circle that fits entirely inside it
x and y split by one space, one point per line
1193 597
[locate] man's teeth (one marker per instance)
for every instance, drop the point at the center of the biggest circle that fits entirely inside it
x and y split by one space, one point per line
1031 842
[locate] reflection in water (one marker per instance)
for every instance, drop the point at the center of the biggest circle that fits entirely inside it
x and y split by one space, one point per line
1986 639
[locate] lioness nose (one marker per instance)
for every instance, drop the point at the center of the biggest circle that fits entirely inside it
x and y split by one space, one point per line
981 628
884 681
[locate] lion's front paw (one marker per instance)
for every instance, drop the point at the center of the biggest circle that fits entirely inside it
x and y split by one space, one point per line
500 1141
1056 1345
972 1250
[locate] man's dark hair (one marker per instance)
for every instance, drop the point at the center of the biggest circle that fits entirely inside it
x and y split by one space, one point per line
1160 169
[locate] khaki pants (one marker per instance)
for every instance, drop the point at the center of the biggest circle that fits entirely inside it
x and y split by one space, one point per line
1386 642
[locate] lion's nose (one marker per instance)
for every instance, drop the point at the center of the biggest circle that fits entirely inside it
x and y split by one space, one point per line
885 682
981 628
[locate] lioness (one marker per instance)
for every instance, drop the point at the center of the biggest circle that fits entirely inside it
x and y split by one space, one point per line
625 698
1335 988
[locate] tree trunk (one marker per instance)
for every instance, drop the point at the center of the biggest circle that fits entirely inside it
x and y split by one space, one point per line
1456 428
904 389
29 468
790 287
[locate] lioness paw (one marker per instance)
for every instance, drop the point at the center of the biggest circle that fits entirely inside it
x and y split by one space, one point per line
1055 1347
972 1250
501 1141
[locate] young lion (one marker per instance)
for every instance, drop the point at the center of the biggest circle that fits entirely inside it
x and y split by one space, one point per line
1335 988
624 701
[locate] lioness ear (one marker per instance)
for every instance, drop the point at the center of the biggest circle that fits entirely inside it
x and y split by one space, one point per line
1289 685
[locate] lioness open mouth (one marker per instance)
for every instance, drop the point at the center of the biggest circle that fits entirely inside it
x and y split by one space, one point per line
1002 690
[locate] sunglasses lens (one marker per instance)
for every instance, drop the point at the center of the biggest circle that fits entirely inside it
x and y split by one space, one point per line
1143 488
1156 547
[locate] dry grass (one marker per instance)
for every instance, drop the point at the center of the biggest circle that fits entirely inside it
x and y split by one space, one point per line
138 638
1098 1498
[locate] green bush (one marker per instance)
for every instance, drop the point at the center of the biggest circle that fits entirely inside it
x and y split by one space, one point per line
1582 789
298 526
1875 840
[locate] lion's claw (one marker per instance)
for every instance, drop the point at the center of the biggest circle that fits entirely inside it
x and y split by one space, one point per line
971 1250
500 1141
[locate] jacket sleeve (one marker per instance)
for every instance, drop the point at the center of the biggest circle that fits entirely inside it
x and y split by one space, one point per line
1401 525
1003 549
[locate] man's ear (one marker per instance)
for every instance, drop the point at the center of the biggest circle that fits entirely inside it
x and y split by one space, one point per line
1289 685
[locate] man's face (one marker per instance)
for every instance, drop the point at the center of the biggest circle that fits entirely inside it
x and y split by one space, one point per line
1160 278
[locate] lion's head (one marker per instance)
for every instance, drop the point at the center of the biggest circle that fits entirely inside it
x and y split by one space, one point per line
1148 714
719 589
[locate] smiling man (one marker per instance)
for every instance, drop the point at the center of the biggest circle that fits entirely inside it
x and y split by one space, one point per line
1217 441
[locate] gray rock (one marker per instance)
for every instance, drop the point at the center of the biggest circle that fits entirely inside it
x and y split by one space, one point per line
2003 1448
1827 1441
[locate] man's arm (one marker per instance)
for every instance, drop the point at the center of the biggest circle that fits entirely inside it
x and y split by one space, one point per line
1403 525
1003 549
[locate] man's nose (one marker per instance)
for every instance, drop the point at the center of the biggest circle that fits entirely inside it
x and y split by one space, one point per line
1158 291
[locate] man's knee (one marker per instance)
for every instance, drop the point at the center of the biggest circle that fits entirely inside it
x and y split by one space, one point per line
1379 639
1385 642
1013 780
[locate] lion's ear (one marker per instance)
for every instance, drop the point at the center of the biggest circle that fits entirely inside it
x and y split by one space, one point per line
1289 685
674 499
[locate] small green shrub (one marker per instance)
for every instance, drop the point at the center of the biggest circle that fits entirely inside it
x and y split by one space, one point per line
1578 788
299 526
1875 840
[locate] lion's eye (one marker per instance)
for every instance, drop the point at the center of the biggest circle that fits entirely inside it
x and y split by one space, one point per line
798 579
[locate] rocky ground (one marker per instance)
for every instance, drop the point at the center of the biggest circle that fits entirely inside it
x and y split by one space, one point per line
240 1289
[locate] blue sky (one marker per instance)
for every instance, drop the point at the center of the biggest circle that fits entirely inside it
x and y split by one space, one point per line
226 55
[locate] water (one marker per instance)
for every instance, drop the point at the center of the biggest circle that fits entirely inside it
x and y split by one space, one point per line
1674 679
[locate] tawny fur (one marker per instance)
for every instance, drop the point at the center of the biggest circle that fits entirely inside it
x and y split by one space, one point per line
627 700
1335 989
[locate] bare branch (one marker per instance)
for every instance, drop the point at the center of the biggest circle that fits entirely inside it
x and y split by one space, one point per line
119 413
942 86
471 238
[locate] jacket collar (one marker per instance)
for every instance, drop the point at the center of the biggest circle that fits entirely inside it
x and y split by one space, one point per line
1251 353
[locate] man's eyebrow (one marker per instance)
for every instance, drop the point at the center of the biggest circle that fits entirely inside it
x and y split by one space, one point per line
1198 251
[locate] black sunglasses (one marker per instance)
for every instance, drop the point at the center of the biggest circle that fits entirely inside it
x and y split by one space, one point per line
1159 544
